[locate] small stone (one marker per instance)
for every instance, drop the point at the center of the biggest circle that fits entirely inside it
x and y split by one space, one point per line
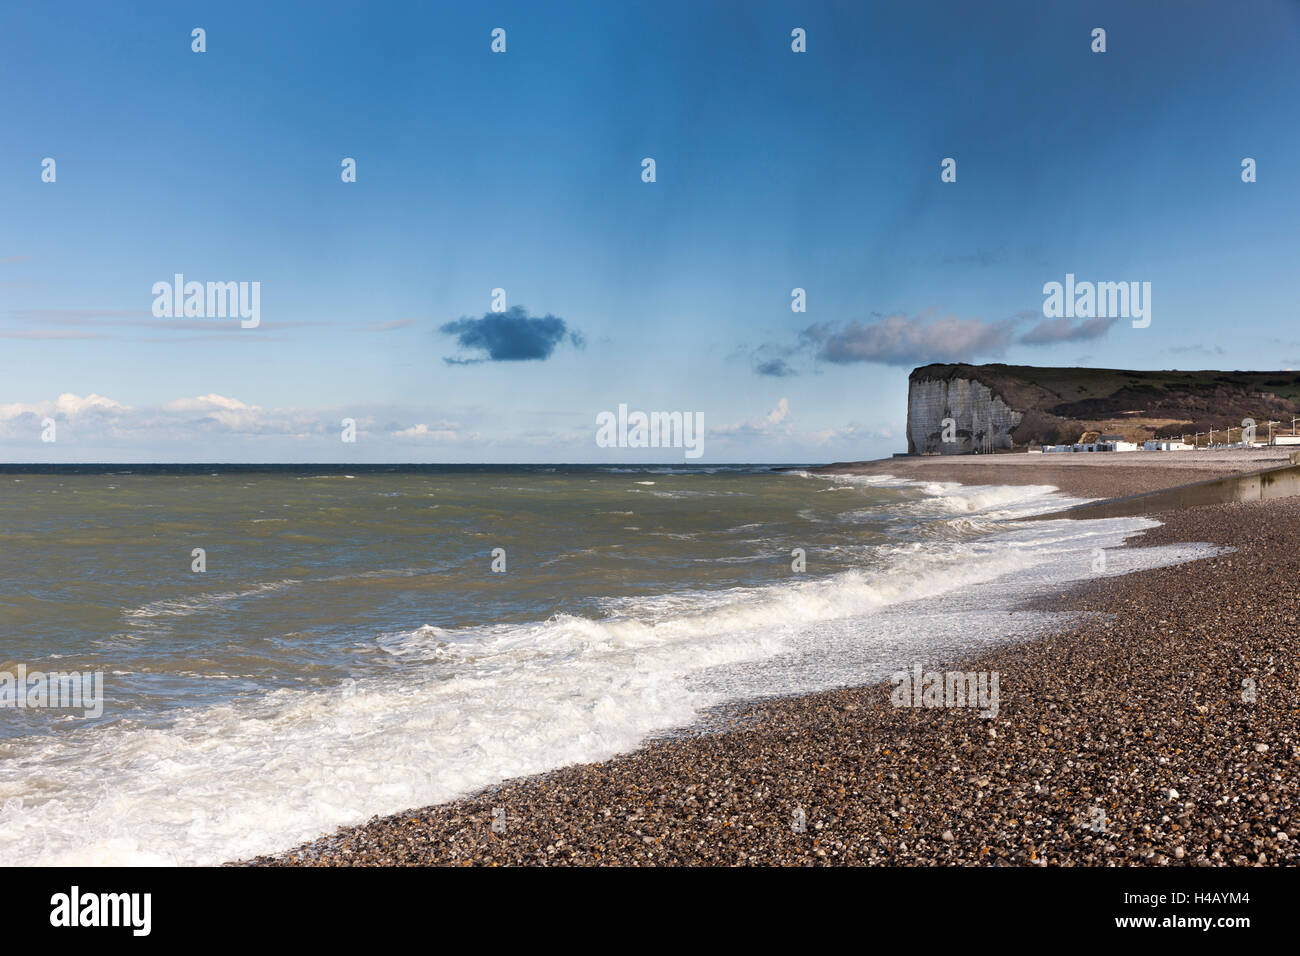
947 836
1261 748
1179 853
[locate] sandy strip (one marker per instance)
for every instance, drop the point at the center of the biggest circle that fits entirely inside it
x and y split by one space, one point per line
1125 741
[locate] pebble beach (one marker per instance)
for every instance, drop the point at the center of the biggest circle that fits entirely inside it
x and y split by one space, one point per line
1159 729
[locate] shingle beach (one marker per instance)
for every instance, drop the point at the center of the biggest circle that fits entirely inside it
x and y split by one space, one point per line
1162 731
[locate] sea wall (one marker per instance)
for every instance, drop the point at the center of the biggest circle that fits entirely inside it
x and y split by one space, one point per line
1263 485
982 420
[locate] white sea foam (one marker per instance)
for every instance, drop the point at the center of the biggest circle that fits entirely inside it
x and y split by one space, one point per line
475 706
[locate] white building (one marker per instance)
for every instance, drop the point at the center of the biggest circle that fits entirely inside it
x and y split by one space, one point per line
1094 446
1166 446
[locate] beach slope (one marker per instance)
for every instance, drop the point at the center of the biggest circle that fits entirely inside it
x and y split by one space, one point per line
1160 731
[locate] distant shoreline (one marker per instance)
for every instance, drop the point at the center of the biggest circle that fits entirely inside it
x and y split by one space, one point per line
350 468
1084 475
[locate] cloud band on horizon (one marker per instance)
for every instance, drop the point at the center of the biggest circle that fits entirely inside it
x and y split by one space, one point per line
921 339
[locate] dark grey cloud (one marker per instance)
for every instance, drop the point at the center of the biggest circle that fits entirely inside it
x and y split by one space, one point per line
777 368
903 340
511 336
1051 331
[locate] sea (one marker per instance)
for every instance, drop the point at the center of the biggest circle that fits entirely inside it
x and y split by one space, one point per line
284 650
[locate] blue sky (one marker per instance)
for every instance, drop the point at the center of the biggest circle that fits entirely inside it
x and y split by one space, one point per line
522 170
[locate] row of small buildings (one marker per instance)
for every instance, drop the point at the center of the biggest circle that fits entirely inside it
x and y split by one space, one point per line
1119 443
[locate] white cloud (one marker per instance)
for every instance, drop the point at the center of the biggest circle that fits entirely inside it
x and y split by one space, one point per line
217 412
207 419
210 402
66 406
97 417
773 423
441 431
777 415
849 433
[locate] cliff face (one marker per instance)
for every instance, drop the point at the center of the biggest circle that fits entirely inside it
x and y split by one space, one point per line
994 405
982 421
